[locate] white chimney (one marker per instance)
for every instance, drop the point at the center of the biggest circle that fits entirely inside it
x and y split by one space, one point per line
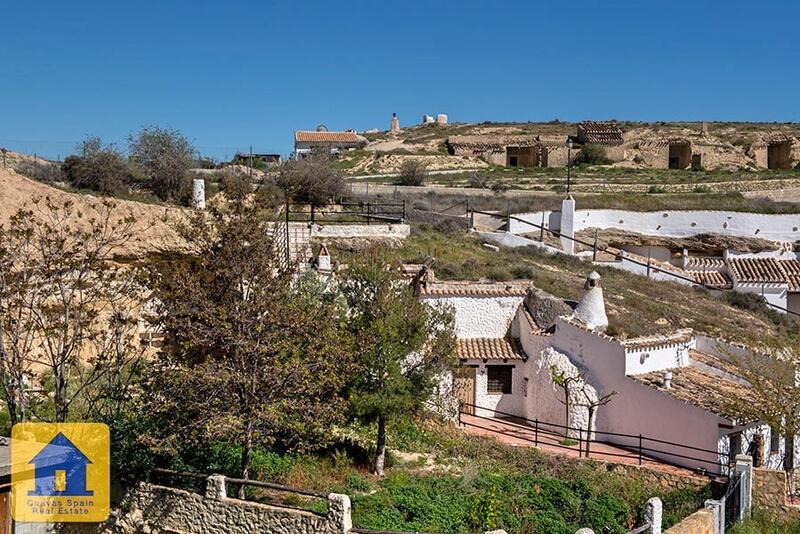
199 193
667 379
323 259
591 309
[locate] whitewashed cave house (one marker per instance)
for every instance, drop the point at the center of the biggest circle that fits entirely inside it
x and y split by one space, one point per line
670 388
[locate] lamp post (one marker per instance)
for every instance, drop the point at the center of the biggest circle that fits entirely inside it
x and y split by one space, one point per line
569 164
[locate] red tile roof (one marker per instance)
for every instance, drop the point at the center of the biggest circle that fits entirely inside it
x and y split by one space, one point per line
304 136
600 132
481 348
476 289
767 270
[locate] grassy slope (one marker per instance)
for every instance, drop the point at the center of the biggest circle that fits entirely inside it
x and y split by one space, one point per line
636 305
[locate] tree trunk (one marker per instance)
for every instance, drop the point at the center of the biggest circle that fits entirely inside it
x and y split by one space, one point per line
61 393
380 447
247 448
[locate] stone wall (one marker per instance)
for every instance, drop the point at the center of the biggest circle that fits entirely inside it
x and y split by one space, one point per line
663 479
769 492
154 508
700 522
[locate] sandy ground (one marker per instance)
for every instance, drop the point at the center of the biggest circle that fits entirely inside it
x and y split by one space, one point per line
154 229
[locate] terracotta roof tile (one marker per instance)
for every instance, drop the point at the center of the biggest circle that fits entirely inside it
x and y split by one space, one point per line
708 384
482 348
699 263
305 136
649 342
600 132
476 289
766 270
496 143
663 142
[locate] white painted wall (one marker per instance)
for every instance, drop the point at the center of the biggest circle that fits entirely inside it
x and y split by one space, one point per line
645 360
637 408
512 403
480 316
360 230
675 223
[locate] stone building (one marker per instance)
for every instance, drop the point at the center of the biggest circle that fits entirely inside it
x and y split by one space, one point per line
773 151
667 153
306 141
508 151
607 134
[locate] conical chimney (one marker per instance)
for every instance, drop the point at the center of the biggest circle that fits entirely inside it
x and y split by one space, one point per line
591 309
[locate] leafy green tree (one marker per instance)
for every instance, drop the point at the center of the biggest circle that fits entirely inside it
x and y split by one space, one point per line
313 180
251 358
402 346
164 156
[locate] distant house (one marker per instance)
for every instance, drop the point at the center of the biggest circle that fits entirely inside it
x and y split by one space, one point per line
265 160
773 151
607 134
306 142
776 280
508 151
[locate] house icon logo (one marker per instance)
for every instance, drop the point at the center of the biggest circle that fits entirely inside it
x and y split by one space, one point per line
60 472
60 469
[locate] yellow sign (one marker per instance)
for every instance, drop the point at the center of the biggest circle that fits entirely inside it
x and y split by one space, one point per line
60 472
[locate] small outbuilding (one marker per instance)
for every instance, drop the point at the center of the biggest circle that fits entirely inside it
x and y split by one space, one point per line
667 153
773 150
508 151
305 141
606 133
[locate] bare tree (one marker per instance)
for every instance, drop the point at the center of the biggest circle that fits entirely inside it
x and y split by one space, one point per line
773 397
165 157
314 180
565 382
593 400
63 303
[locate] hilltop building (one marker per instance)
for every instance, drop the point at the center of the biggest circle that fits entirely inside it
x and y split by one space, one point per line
667 153
606 134
334 143
508 151
773 151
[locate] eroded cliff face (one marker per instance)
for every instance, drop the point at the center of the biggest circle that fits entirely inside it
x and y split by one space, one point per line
155 230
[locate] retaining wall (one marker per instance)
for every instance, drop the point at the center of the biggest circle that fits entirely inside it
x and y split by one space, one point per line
700 522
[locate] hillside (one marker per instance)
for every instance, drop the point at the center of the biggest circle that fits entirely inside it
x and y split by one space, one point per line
154 229
724 145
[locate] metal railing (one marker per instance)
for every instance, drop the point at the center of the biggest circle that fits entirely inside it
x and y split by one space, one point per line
648 265
197 477
641 447
349 212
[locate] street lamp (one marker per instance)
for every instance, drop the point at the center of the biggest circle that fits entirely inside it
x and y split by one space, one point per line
569 163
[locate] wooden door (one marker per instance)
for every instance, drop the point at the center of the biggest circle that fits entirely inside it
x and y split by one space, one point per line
464 387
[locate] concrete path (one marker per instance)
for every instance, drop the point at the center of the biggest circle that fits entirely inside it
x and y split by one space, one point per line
519 435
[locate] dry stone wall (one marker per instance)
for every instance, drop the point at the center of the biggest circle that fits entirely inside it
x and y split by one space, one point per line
769 492
160 509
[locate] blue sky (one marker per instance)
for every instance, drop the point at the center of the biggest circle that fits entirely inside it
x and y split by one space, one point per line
234 74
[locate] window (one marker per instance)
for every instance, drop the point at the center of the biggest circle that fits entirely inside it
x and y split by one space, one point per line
774 441
498 379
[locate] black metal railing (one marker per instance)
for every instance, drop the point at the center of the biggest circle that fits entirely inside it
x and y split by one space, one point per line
648 265
198 482
348 212
732 500
639 447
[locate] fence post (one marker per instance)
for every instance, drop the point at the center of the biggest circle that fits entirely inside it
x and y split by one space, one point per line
594 248
640 449
536 432
215 487
652 514
339 512
404 210
368 218
744 468
541 230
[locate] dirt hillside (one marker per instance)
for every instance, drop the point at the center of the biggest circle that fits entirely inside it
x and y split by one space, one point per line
155 232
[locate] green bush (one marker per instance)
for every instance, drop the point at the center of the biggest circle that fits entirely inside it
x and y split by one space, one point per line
413 172
592 154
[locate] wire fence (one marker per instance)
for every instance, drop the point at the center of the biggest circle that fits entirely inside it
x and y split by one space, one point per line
648 265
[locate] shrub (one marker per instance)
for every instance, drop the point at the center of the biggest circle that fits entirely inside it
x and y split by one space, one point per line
413 172
236 185
592 154
42 171
654 189
97 167
312 180
164 156
500 187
